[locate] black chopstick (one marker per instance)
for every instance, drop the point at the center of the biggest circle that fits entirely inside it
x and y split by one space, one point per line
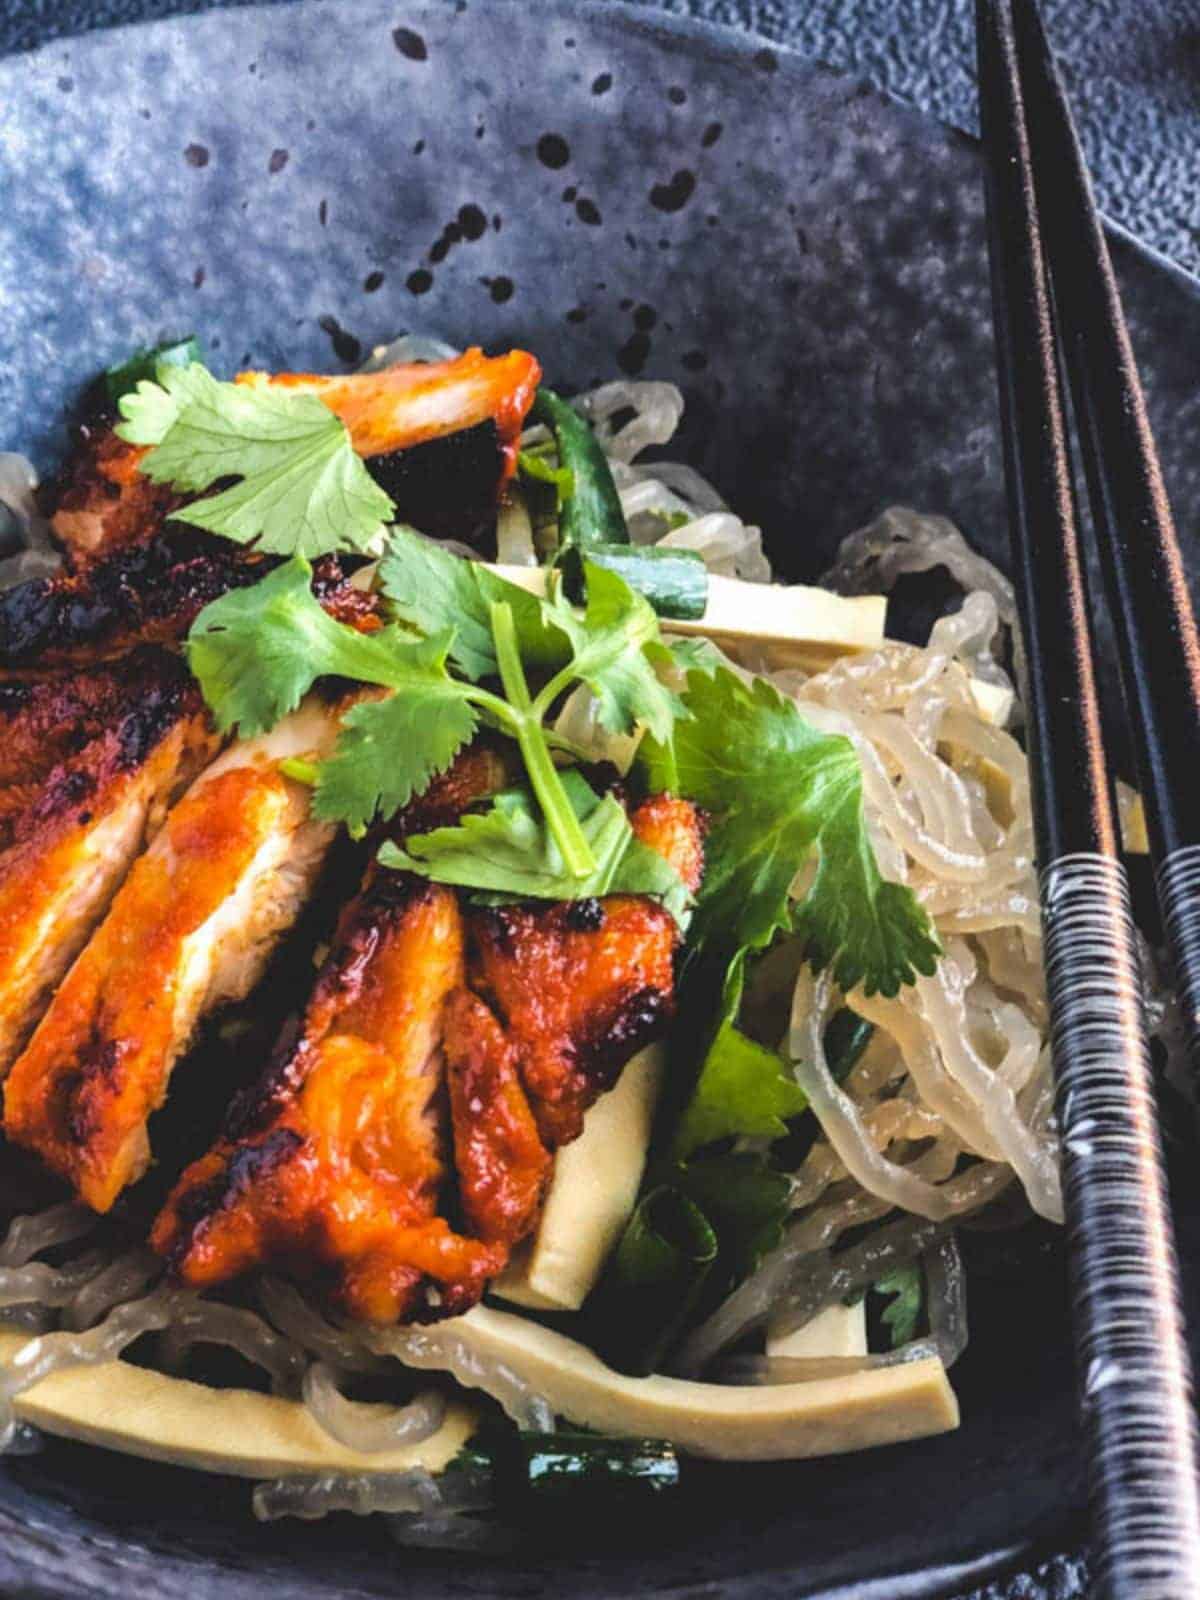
1143 570
1133 1362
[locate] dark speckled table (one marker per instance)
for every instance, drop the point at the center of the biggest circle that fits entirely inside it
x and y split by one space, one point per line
1134 68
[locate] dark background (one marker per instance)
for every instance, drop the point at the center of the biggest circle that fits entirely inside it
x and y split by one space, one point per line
1134 70
1133 66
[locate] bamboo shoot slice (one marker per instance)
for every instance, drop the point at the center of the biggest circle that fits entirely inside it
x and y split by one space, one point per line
763 1422
801 626
591 1195
837 1331
131 1409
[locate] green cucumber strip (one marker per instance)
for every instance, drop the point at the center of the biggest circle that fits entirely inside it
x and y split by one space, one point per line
847 1035
591 513
674 581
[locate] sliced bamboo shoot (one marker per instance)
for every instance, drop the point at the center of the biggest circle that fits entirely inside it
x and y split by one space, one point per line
836 1331
993 701
763 1422
143 1413
800 626
591 1195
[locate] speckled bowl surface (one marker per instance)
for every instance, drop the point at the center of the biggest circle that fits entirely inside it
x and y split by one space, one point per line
621 194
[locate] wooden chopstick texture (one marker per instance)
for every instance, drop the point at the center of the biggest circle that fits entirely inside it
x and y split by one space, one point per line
1133 1361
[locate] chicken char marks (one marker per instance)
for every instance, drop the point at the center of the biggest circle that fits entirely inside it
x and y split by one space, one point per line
88 767
337 1170
399 1144
101 502
192 926
148 592
441 438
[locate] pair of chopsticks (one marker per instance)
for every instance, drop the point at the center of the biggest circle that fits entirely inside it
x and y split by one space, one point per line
1056 305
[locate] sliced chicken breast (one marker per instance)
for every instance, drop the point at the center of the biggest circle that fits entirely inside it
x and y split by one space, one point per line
101 501
412 403
342 1165
192 926
121 751
334 1166
441 437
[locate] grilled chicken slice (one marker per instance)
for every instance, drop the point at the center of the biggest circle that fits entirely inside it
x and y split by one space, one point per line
101 502
99 777
337 1165
149 593
412 403
351 1198
501 1162
422 427
675 829
581 986
192 926
440 437
46 718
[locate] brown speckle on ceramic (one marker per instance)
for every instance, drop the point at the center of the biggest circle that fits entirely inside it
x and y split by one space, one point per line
410 44
675 194
553 150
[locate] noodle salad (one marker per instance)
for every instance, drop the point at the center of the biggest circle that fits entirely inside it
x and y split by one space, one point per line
752 1219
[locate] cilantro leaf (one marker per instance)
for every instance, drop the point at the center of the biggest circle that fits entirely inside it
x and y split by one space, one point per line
258 651
151 409
303 490
697 654
654 1279
616 651
508 852
642 870
389 750
431 588
904 1288
882 950
746 1202
776 789
613 645
743 1088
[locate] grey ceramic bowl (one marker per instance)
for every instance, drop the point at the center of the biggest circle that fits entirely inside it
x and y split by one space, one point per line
620 194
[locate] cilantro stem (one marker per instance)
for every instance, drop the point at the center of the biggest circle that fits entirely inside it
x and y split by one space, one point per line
508 655
559 683
531 738
300 771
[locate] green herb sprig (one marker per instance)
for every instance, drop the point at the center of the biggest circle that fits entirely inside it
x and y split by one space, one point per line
302 489
777 789
257 651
